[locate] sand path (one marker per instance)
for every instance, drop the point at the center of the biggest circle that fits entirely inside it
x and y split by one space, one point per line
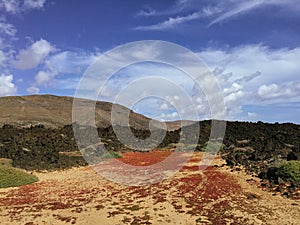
81 196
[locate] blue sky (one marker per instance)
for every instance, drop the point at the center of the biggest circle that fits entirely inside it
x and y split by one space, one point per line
253 48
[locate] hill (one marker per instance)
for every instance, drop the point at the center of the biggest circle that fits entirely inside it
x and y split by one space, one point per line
55 112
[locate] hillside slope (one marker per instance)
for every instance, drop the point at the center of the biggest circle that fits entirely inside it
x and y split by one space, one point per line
54 111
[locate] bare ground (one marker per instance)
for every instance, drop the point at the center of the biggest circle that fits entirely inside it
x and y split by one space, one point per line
81 196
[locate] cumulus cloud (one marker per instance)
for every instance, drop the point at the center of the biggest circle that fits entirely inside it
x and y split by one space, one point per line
164 106
283 92
33 90
32 56
169 116
275 80
44 77
7 87
62 63
248 75
252 115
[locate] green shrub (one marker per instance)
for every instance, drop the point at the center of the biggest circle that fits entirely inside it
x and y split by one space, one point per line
171 145
211 146
180 147
12 177
289 171
191 147
111 155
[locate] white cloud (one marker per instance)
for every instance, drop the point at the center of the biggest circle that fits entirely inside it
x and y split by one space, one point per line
164 106
238 8
34 4
255 75
7 35
267 90
1 43
234 88
33 90
7 87
235 8
63 63
274 91
179 6
169 116
210 11
216 11
176 97
3 58
31 57
255 62
233 97
44 77
171 22
18 6
68 62
10 6
148 11
7 28
252 115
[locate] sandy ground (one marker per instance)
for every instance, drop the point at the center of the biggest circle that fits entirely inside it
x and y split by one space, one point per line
191 196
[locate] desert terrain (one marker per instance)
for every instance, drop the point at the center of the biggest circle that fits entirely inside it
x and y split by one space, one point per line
191 196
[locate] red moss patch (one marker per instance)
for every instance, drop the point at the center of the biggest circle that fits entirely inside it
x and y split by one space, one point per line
144 159
190 168
189 193
220 184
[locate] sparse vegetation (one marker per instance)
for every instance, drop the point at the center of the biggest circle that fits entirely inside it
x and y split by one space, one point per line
289 171
198 220
170 146
211 146
135 208
180 147
12 177
111 155
191 147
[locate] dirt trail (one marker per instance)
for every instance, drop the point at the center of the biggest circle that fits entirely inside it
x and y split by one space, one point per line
81 196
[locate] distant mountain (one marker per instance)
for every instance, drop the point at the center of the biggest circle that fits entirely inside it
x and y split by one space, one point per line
56 111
